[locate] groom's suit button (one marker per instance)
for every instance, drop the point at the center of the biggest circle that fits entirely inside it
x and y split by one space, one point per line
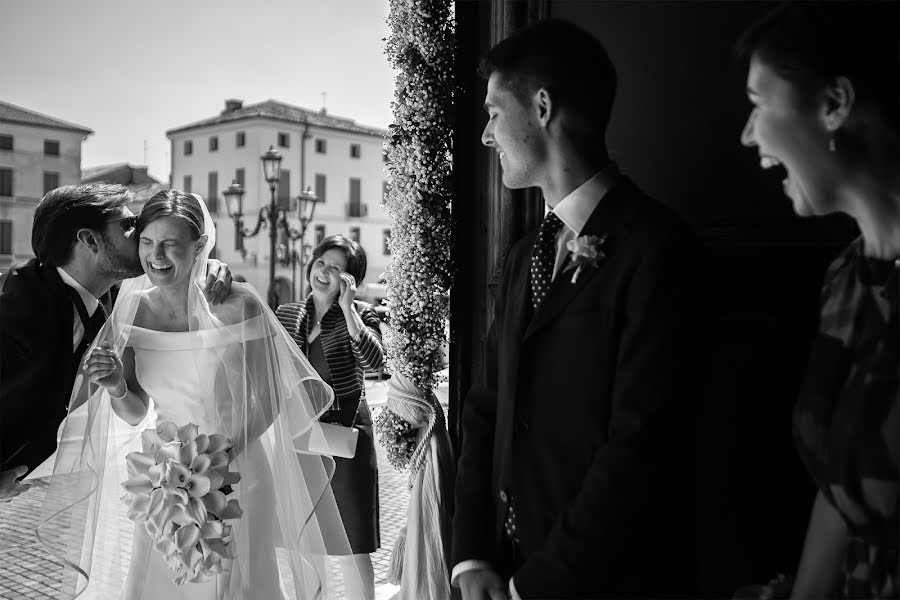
503 496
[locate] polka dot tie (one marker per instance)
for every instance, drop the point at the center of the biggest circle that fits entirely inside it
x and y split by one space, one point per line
543 258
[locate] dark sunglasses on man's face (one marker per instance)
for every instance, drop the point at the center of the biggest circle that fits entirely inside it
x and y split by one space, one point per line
126 223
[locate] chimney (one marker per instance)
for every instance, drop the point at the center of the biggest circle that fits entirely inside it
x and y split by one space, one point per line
232 105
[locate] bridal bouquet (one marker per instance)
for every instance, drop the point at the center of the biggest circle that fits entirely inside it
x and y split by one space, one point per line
177 490
397 435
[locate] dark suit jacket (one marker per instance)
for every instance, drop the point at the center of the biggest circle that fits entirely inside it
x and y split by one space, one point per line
37 364
584 418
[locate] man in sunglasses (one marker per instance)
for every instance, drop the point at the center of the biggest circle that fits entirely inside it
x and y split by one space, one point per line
51 308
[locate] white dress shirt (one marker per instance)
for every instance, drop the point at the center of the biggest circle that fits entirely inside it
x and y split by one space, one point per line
90 303
574 211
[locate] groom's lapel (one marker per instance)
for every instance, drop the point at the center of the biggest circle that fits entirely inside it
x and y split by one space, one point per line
609 219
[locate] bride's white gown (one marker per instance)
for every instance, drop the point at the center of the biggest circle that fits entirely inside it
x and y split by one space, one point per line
180 378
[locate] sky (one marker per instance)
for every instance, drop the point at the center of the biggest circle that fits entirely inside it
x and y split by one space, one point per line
132 69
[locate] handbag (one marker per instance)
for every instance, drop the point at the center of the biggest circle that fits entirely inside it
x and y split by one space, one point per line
328 439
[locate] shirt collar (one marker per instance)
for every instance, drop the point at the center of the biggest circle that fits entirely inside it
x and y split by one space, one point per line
90 303
575 209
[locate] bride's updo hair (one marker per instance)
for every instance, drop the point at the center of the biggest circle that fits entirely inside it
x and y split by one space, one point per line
173 203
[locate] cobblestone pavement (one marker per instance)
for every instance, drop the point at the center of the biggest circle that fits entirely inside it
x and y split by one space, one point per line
27 573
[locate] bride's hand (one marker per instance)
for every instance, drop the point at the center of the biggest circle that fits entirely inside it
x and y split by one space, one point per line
103 366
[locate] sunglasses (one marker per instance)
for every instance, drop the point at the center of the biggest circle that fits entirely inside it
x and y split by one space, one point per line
126 223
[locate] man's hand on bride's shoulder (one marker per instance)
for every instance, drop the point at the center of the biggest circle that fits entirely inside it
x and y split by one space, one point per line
103 366
482 584
218 281
10 486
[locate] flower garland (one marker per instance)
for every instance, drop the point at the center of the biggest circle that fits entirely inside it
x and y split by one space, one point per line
421 49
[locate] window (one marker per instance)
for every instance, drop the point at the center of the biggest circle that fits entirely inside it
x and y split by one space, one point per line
321 146
386 237
240 138
188 147
355 151
284 140
187 184
354 234
6 182
354 208
320 234
51 181
320 187
6 142
214 143
284 189
51 148
239 176
212 192
5 237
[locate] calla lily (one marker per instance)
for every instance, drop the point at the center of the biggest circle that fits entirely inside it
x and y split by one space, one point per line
215 502
152 528
188 433
198 486
169 451
167 431
138 462
188 453
197 510
219 547
176 474
212 529
156 502
139 484
218 460
231 477
165 545
187 536
201 463
202 442
218 443
232 510
215 480
155 474
151 441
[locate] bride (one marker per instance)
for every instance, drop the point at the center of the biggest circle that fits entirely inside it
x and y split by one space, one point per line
167 357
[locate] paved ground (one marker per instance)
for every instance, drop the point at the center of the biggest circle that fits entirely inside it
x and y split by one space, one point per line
26 572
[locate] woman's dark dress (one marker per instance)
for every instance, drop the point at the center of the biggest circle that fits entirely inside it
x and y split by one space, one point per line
847 424
355 482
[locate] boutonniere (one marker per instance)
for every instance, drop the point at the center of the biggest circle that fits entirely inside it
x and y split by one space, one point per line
586 252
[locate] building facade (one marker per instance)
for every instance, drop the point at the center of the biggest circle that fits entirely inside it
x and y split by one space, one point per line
141 184
37 153
337 159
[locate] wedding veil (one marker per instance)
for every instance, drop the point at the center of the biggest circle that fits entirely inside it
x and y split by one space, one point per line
264 395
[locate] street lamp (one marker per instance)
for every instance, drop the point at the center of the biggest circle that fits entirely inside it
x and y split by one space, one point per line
306 208
273 216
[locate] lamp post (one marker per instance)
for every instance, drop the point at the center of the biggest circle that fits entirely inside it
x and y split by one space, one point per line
273 216
306 208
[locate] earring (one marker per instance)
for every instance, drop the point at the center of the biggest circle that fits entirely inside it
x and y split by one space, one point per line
832 147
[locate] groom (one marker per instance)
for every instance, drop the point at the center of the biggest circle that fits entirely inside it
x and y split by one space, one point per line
576 476
52 307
